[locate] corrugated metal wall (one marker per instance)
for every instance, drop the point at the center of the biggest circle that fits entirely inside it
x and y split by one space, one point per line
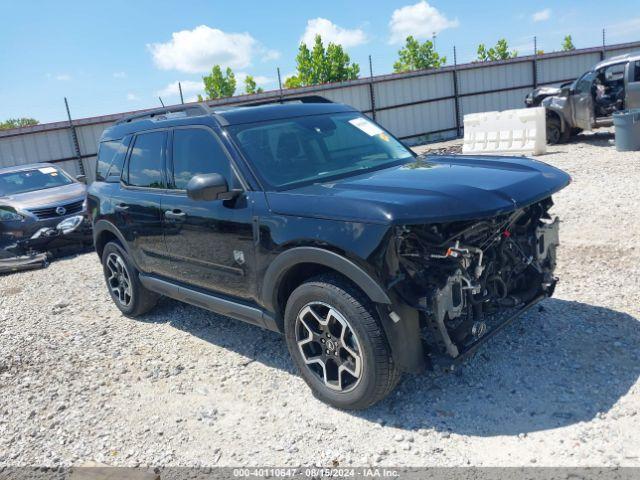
415 106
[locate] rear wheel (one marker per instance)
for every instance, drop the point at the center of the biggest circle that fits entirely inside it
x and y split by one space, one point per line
338 345
126 291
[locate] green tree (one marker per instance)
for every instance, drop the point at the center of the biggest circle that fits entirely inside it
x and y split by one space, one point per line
250 85
219 85
416 56
499 52
18 122
321 65
567 44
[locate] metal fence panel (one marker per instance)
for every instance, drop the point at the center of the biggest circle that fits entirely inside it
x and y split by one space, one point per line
613 52
413 89
88 137
485 78
488 102
356 96
418 120
37 147
565 68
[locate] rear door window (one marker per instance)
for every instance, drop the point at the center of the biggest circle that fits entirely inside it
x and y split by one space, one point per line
146 162
614 73
636 71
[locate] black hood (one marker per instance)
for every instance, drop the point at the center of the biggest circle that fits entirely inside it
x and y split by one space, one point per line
430 190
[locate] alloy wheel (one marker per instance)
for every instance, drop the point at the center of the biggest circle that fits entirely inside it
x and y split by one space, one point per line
119 279
329 346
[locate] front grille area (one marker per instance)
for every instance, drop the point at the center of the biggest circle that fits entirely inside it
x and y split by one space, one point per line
50 212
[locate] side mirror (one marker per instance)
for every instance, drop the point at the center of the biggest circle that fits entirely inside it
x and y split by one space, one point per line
81 178
207 186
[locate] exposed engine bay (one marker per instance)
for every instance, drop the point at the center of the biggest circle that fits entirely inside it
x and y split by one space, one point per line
462 276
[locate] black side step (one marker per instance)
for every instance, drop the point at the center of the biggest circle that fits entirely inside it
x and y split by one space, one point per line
209 301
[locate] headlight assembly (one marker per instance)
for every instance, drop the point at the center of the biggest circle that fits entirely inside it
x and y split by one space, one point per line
9 216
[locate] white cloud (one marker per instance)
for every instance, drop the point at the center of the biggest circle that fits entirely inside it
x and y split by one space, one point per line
61 77
420 20
190 89
119 75
330 32
197 50
270 55
542 15
132 96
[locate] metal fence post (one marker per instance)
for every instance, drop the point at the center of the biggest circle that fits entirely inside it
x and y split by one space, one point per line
534 64
74 137
279 83
372 94
455 93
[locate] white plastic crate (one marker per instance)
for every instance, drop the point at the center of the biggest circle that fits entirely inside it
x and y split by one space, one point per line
521 130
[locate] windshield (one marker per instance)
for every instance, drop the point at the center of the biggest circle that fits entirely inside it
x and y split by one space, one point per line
23 181
316 148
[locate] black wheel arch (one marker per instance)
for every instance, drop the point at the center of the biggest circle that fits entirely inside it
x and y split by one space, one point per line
104 232
283 264
302 263
551 113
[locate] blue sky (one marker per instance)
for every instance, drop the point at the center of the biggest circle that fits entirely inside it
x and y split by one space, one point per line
115 56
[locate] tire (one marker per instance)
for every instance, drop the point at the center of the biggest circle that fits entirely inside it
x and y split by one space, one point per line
352 341
555 134
126 291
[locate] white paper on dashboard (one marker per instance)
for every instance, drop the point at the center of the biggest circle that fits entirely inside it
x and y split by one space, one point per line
366 126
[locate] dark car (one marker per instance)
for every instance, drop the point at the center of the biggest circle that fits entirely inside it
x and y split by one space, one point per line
311 220
41 206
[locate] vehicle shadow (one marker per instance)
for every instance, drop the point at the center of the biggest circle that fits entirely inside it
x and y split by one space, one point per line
597 139
564 363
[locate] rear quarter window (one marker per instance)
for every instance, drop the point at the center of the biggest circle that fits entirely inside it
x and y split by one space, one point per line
110 159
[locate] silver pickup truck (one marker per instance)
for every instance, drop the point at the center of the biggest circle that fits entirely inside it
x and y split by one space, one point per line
590 101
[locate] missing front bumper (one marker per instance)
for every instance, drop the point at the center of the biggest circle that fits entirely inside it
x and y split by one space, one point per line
499 324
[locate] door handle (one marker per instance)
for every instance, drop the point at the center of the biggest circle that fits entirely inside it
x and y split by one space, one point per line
174 214
121 207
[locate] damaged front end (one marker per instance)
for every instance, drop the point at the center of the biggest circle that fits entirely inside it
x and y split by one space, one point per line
18 253
469 279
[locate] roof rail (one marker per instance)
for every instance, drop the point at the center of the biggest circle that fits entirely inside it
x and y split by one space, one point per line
188 110
301 99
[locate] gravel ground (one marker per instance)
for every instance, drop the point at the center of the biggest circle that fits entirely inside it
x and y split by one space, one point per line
81 383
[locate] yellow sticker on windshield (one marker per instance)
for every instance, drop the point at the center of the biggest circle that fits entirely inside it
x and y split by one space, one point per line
49 170
383 136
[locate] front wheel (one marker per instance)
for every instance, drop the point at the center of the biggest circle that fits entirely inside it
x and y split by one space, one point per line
338 345
554 131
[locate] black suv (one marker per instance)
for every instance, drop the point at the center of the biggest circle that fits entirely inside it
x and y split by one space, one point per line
309 219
